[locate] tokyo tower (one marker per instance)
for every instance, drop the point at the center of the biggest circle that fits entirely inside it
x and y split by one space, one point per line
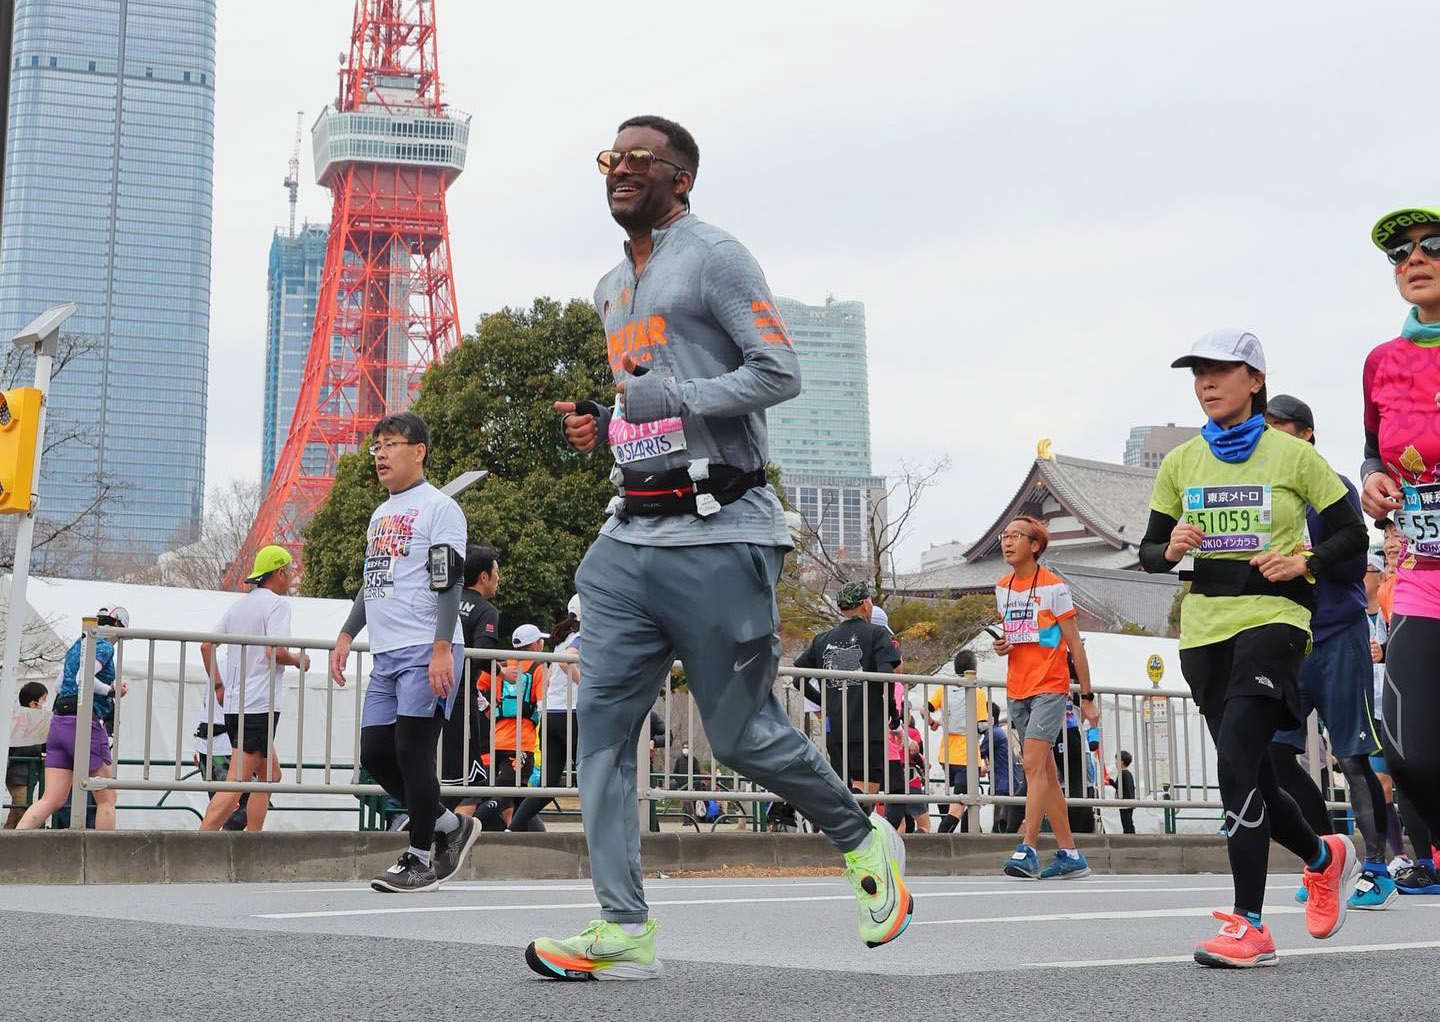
388 149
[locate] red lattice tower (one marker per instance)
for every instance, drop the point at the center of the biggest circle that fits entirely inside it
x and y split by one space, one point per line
388 149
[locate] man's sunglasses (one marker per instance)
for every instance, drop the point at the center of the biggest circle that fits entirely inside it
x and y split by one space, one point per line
637 161
1429 248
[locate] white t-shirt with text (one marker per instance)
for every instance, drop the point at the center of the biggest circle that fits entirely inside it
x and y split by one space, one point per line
400 606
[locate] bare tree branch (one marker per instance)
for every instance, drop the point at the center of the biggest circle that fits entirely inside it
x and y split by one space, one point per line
202 563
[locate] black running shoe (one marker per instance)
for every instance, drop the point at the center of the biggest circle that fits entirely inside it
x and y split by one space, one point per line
1416 879
408 876
451 849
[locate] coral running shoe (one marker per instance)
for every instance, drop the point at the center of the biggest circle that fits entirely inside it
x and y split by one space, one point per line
1330 888
601 951
877 873
1238 945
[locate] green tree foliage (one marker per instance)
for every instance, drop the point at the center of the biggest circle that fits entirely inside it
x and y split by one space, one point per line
930 631
490 405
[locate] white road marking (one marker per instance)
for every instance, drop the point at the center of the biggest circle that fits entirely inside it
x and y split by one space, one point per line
778 883
1020 891
1340 949
1139 913
359 888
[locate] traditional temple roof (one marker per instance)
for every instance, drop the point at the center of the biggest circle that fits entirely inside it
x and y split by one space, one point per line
1111 501
1111 504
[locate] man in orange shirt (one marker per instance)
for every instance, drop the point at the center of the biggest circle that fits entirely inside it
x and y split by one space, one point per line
1038 619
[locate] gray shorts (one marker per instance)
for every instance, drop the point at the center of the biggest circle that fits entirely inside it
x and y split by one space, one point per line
1041 716
400 685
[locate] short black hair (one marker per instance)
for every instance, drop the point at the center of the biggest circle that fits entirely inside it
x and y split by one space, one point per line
31 691
406 424
681 142
480 558
965 661
1125 758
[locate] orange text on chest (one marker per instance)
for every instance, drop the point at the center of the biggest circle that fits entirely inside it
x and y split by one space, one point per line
635 338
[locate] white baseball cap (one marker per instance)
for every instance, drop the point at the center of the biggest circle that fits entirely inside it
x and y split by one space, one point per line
119 615
879 617
524 635
1225 345
574 606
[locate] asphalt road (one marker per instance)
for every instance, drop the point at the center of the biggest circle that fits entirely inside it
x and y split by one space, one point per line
1101 947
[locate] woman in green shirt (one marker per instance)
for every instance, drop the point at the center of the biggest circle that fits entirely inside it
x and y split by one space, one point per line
1234 498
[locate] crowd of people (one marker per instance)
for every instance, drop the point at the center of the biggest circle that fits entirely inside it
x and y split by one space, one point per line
1280 618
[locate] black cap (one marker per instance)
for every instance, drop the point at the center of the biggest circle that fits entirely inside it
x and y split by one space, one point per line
1290 409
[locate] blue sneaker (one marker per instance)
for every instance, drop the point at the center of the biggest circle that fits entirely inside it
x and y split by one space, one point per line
1302 894
1417 879
1063 867
1024 864
1374 892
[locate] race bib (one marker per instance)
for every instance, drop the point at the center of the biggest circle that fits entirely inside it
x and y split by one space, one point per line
631 442
379 577
1419 521
1234 517
1022 623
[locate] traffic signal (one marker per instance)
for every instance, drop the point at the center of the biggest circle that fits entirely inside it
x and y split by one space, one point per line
19 428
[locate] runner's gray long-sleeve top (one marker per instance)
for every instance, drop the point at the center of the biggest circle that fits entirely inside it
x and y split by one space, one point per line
702 320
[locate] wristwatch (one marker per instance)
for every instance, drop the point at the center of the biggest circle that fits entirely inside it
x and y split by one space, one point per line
1089 697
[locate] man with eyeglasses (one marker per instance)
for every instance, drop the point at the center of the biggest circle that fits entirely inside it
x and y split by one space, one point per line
409 599
688 558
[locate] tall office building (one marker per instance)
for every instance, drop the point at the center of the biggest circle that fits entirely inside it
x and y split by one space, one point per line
827 428
107 202
1146 446
821 439
296 264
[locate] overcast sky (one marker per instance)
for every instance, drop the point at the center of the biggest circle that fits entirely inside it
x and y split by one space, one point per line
1041 204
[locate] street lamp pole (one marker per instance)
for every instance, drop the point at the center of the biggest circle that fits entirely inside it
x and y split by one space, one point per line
42 336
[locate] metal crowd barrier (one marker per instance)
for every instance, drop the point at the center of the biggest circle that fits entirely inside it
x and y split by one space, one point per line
1171 747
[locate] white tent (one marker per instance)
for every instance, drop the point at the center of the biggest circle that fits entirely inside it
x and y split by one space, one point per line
162 712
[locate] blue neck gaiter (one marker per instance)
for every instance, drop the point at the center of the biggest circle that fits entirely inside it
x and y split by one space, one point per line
1236 443
1427 335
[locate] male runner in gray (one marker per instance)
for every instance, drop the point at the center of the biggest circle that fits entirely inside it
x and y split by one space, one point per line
688 559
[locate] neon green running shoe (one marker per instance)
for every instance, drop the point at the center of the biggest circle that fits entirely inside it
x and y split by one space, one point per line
877 872
601 951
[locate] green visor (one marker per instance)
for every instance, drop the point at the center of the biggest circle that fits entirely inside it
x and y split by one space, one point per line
1391 226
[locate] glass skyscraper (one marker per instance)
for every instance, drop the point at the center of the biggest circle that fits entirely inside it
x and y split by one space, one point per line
107 202
827 428
294 288
821 439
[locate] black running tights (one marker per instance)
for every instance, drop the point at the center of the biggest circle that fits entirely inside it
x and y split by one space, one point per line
1410 728
401 758
559 726
1256 808
1367 798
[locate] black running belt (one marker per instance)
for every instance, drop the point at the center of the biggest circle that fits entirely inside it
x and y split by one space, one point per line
1217 577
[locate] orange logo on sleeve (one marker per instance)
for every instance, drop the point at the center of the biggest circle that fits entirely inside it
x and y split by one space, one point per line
635 339
771 326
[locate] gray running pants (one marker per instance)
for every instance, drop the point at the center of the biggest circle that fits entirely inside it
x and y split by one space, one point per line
714 607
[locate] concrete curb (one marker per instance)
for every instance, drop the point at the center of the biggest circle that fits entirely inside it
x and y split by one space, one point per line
131 857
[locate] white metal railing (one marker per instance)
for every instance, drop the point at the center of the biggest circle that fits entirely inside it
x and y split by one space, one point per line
1173 752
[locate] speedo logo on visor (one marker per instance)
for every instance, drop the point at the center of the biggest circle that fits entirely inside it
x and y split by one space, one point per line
1386 230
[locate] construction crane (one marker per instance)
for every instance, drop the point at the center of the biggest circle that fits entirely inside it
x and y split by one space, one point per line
292 179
